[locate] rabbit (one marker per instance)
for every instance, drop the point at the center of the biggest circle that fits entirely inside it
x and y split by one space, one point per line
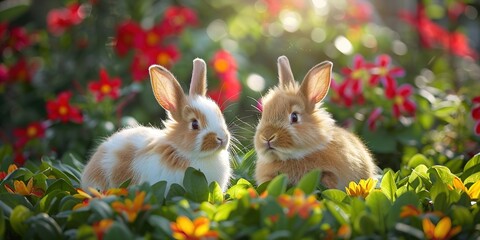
195 135
295 134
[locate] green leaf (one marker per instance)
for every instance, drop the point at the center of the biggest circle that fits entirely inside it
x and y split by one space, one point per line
18 218
196 185
62 185
379 141
461 216
158 190
336 212
440 202
13 200
118 231
472 178
419 159
309 181
441 173
379 206
126 183
161 223
224 210
472 167
2 224
335 195
175 190
407 198
215 195
9 10
100 208
388 185
277 186
365 224
43 226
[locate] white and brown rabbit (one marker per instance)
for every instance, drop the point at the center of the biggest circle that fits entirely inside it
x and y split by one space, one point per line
296 135
195 135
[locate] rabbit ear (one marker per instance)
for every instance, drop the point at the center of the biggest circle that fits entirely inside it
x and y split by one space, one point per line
285 72
316 83
198 85
167 90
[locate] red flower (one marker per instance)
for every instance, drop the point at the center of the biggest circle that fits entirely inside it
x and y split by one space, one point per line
33 131
177 18
145 40
228 91
455 9
19 39
105 86
373 119
476 114
59 20
432 34
165 56
458 45
60 109
383 70
126 33
223 64
19 71
139 67
19 158
400 96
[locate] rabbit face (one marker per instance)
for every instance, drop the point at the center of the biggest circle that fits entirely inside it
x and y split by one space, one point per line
201 130
288 129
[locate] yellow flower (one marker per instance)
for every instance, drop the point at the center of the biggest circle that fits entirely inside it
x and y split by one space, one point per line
473 192
298 203
184 228
443 229
362 189
19 187
11 168
96 194
131 208
101 227
409 211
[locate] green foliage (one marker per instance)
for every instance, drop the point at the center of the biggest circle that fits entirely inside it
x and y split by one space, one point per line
395 207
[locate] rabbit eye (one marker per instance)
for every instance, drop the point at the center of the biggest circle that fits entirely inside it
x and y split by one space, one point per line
294 117
195 125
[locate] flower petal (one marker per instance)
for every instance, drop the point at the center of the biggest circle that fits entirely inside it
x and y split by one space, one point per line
476 113
405 90
477 129
474 191
442 228
383 60
428 228
185 225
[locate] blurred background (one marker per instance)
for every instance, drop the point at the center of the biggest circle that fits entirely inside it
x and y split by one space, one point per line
406 73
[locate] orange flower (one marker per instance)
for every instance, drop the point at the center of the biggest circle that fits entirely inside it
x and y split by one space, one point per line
96 194
344 232
101 227
409 211
130 208
298 203
184 228
473 192
11 168
362 189
443 229
19 187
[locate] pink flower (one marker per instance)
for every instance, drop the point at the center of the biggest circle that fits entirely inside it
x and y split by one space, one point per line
400 96
60 109
359 73
19 39
105 86
382 70
374 118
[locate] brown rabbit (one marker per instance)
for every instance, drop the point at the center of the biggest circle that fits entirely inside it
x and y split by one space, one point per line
296 135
